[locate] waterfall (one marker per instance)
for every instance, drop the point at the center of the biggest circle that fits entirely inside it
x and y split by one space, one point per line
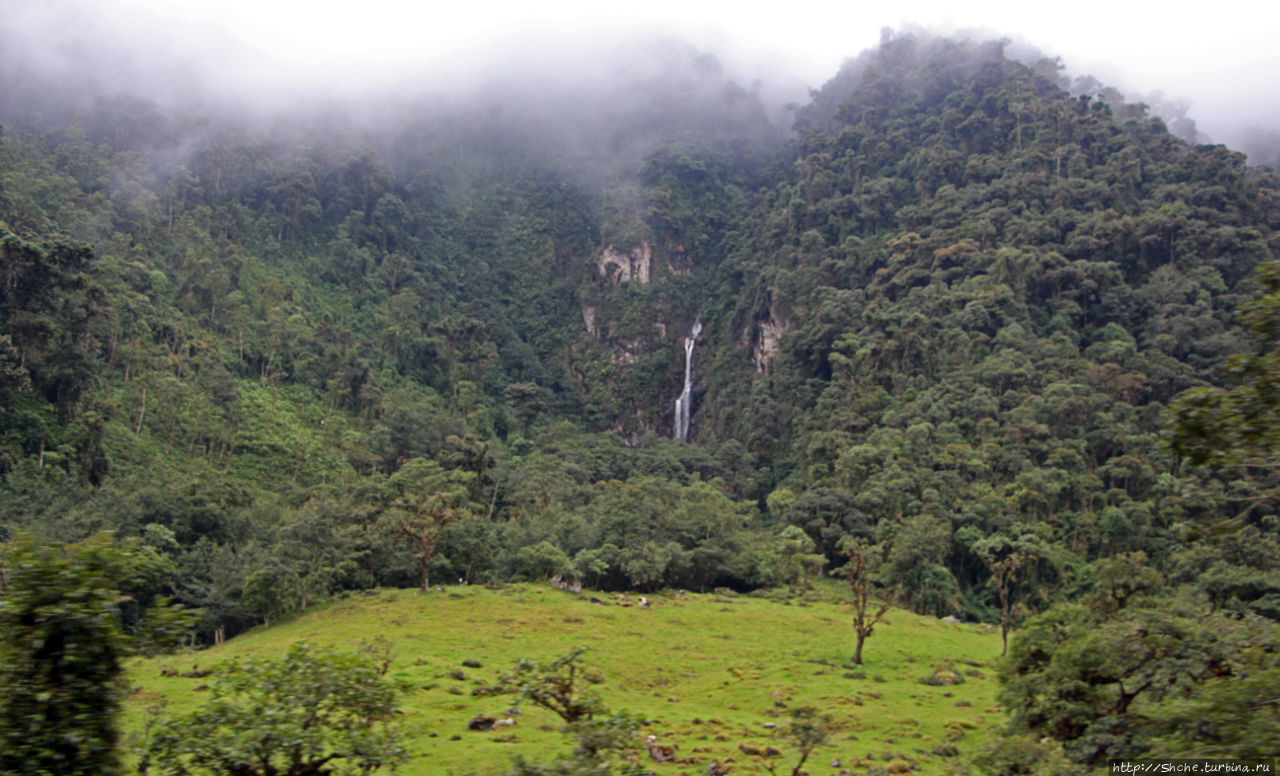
685 402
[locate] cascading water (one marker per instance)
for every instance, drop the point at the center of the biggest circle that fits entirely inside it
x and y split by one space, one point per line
685 402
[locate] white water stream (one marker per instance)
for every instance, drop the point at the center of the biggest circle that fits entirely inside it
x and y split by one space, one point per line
685 402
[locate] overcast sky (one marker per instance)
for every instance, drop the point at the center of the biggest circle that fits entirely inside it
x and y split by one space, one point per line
1223 56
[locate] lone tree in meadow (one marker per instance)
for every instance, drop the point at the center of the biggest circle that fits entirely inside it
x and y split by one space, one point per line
807 731
860 573
556 685
605 738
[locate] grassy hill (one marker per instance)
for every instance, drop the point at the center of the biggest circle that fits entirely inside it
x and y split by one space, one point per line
710 672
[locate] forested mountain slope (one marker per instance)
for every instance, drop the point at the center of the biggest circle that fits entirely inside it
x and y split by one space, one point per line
990 290
443 339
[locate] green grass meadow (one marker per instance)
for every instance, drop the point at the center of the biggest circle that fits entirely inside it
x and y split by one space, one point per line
711 672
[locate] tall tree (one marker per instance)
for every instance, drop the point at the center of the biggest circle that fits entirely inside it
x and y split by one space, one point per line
1009 560
47 303
426 498
860 572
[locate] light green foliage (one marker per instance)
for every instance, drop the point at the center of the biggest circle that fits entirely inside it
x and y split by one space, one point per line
544 560
283 434
797 560
313 711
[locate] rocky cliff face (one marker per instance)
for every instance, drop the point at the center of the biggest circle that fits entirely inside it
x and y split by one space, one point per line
632 266
765 339
678 259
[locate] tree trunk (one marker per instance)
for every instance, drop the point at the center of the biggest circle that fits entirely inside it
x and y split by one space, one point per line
427 551
1004 637
857 650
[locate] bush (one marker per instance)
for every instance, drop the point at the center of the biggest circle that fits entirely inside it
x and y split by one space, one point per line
299 714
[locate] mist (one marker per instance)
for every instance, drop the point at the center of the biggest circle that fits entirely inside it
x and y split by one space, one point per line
595 102
585 83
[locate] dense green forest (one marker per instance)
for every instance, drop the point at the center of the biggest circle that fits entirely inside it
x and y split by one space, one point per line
945 310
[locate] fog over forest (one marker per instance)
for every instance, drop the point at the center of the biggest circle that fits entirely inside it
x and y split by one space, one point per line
212 64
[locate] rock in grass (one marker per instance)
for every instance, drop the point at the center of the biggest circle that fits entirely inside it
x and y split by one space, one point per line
943 677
